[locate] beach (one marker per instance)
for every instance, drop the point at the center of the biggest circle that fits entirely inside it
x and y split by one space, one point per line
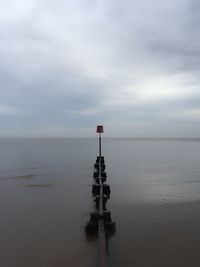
45 202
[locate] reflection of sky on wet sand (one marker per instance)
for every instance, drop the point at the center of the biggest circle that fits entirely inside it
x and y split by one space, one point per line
153 172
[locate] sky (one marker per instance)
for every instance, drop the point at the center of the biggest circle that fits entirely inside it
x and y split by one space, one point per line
66 66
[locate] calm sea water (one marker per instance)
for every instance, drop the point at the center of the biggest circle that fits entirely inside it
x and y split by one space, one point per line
45 201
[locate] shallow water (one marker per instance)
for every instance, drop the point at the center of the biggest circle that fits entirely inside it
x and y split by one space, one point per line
45 201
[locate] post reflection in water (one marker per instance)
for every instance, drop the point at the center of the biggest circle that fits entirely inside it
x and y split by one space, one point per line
108 236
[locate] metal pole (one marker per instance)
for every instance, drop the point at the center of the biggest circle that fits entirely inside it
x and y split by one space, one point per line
100 145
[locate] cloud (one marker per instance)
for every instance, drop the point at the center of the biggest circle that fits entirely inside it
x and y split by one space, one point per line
70 65
8 110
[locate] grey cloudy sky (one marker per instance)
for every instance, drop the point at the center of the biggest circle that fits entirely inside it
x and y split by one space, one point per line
133 66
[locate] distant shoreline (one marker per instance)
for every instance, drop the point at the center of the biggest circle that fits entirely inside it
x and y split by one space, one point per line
153 139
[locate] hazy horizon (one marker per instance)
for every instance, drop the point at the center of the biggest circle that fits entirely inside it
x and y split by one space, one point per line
104 138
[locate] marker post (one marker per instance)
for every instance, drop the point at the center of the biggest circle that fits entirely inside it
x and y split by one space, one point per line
100 131
100 220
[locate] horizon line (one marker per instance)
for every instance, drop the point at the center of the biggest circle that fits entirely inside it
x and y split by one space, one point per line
91 137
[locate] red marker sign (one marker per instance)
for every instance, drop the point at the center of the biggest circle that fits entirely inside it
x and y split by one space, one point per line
99 128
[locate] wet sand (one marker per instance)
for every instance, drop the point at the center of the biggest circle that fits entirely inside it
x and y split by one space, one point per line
45 201
158 235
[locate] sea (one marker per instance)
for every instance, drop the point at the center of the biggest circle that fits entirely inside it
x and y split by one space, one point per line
46 201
